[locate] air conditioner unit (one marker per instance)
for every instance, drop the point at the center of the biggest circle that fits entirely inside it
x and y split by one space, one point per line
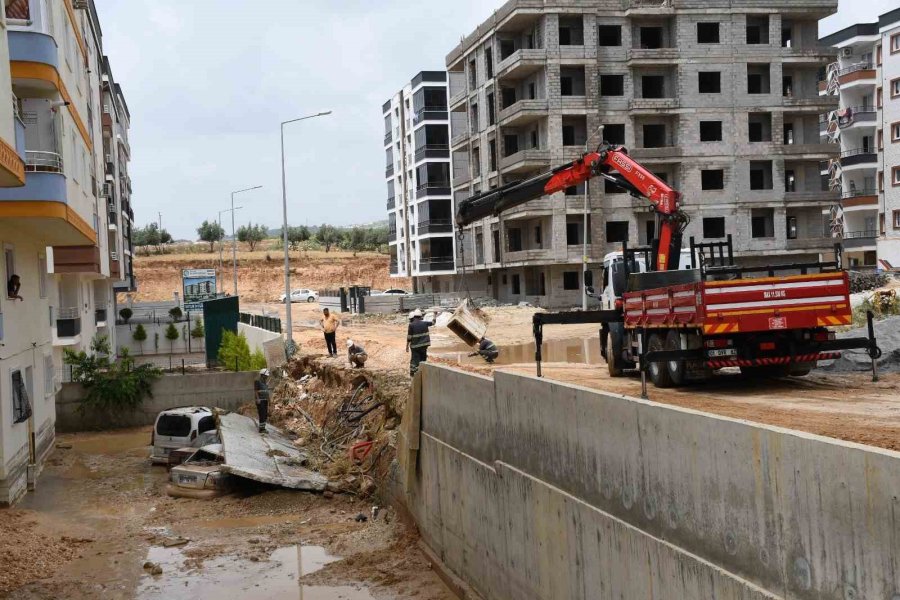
845 52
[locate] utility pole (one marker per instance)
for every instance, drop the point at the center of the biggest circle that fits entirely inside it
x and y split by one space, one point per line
234 236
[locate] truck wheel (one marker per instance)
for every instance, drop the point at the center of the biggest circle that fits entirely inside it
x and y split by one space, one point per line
614 338
677 368
659 372
801 369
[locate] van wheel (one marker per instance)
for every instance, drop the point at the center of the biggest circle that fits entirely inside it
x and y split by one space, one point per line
659 372
677 368
614 361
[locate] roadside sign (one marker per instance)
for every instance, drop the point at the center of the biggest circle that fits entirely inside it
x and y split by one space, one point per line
198 286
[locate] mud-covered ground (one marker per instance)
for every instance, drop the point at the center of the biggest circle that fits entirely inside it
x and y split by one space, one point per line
100 514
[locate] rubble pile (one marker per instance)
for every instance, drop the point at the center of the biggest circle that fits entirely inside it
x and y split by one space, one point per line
346 420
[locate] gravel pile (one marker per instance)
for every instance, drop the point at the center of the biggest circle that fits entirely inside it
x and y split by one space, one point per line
887 333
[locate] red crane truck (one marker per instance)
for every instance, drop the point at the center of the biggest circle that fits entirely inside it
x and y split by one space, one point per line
680 323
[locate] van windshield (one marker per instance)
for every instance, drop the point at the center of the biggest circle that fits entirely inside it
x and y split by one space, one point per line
173 425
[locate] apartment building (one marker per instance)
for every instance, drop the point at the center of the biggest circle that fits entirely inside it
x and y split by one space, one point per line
866 80
54 226
417 173
720 100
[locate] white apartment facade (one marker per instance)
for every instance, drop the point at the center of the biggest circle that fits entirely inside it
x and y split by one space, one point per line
418 175
866 79
54 226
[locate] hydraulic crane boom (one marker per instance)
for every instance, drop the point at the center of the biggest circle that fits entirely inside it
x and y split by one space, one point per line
613 164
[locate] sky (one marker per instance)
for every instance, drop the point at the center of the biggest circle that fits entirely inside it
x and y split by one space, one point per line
208 83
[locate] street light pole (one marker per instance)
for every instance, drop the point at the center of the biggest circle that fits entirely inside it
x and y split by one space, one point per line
284 232
234 237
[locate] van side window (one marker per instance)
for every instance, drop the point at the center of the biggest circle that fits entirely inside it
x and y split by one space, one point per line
206 424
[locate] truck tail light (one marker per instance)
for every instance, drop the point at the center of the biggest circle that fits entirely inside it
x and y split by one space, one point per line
767 346
823 336
718 343
619 304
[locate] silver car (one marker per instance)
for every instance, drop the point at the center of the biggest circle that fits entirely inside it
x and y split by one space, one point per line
302 296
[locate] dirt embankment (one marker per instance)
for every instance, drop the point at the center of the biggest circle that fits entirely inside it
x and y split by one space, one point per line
261 273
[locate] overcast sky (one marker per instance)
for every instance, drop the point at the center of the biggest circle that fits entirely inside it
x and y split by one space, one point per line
208 82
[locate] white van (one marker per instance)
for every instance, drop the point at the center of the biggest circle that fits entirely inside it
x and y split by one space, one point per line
188 427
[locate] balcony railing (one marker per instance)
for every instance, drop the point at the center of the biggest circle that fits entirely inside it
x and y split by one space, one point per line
857 156
389 171
388 138
433 151
433 188
392 235
39 161
442 263
868 233
113 219
860 66
430 113
68 322
853 114
436 226
858 193
391 202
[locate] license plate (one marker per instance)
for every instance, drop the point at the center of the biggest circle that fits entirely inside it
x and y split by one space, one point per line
726 352
778 323
187 479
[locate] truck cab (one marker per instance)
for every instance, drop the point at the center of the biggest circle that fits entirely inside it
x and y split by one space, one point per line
614 276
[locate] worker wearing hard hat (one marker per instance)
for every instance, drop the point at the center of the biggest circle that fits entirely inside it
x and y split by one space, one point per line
417 340
356 354
261 394
487 350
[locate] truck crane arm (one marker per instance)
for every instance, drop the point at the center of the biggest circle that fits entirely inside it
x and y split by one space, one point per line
609 162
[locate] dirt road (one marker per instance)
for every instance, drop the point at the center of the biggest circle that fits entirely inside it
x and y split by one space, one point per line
100 513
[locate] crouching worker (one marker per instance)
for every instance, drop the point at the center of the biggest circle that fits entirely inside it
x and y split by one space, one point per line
356 354
261 391
487 350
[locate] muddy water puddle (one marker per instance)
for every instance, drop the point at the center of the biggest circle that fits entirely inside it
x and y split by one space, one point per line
575 350
232 577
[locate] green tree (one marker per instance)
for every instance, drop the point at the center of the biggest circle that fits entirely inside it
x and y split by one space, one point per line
252 234
328 235
172 336
151 235
211 232
126 314
111 386
357 239
298 235
140 336
198 332
234 352
257 360
175 313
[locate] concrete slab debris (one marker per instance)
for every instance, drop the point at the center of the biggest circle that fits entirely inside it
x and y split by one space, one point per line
268 458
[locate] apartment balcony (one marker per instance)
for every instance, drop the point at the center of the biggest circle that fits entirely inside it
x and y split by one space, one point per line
432 151
115 268
437 113
113 221
388 138
857 116
68 327
524 256
812 197
808 55
100 313
811 244
394 268
435 264
651 56
860 74
525 160
391 202
663 152
523 112
76 259
653 105
42 203
392 234
389 171
12 158
859 158
821 103
33 47
860 240
648 7
818 151
435 226
433 188
521 63
860 199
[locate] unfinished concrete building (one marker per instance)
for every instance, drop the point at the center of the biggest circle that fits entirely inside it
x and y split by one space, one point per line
720 100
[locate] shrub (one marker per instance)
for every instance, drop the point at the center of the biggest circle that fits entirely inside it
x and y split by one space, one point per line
140 336
175 313
234 352
257 360
882 305
865 281
172 336
126 314
198 331
111 386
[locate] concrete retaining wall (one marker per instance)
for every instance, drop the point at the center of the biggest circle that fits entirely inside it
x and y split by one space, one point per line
219 390
256 337
533 489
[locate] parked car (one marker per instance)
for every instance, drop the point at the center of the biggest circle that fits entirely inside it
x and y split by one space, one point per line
302 296
187 427
201 475
395 292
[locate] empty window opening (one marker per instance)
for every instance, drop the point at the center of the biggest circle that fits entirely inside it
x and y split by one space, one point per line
507 97
570 280
614 133
759 127
492 116
761 175
571 31
571 81
514 239
609 35
653 86
492 154
612 85
790 181
712 179
574 131
489 63
655 136
758 78
757 29
516 285
709 82
707 33
762 222
710 131
616 231
651 37
510 144
788 133
713 227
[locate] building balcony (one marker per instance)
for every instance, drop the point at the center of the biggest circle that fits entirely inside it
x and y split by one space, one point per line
821 103
392 234
651 56
653 104
391 202
115 268
859 74
807 55
523 112
812 197
432 151
113 221
810 244
76 259
68 327
521 256
862 199
436 113
394 268
433 188
435 226
440 263
462 178
33 47
388 138
860 240
656 153
42 204
525 160
821 151
859 157
389 171
460 138
12 159
863 116
521 63
100 313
